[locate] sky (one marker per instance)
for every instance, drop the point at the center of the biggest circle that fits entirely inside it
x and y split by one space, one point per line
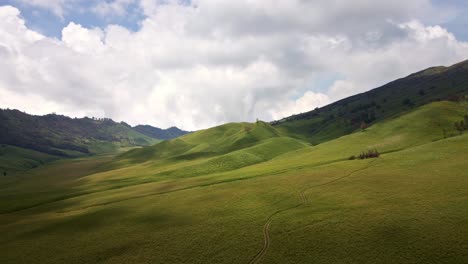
200 63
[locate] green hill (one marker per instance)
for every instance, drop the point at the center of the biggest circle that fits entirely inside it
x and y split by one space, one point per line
208 142
14 159
391 100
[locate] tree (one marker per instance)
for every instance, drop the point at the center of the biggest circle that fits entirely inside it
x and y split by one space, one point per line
4 173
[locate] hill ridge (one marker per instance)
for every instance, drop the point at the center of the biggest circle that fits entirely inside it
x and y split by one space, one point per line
65 136
392 99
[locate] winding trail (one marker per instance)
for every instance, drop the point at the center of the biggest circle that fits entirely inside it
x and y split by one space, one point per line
303 201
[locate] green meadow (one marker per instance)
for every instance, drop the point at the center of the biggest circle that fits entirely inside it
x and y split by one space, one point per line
251 193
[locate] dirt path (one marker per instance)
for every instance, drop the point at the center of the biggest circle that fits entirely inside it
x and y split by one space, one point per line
266 234
303 201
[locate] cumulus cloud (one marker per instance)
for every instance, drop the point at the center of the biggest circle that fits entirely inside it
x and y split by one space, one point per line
201 63
301 105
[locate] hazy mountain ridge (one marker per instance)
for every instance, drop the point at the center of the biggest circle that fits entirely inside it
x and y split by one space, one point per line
159 133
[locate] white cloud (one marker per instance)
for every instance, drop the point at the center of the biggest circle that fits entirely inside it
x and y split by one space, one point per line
209 62
83 40
307 102
115 7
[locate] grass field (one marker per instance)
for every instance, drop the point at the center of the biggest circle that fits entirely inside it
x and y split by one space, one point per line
248 193
14 159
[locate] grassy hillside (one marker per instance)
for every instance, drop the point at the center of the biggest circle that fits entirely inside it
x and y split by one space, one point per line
209 142
14 159
391 100
172 203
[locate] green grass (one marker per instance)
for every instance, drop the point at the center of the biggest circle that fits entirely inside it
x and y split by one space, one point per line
205 197
14 159
217 140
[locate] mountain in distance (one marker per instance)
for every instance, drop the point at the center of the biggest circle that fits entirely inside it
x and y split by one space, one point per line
31 140
159 133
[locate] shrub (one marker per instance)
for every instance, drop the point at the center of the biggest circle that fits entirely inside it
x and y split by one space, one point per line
373 153
462 125
352 157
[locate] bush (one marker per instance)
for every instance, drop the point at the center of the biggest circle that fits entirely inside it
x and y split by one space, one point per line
373 153
352 157
462 125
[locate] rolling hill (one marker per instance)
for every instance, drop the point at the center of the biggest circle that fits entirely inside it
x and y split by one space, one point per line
286 192
217 140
